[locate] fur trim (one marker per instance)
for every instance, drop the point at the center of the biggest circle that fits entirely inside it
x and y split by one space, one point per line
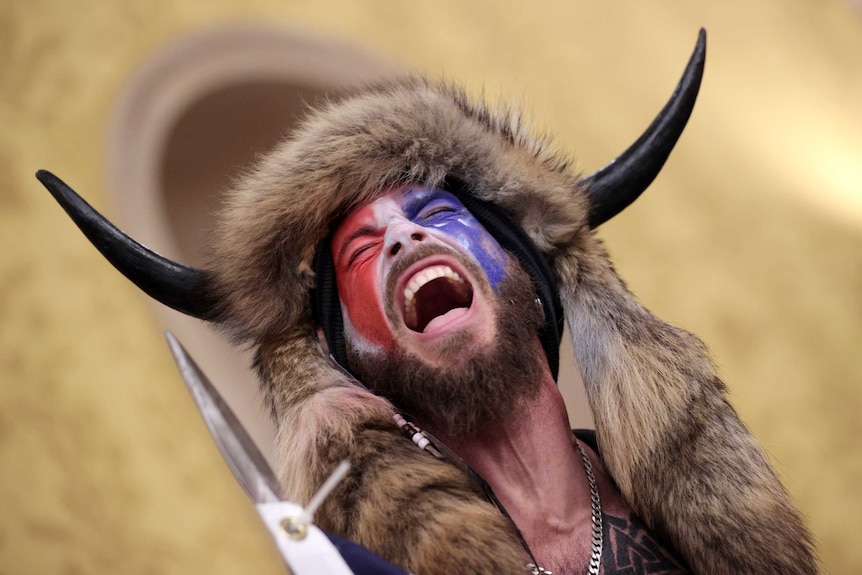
411 131
416 511
671 441
674 445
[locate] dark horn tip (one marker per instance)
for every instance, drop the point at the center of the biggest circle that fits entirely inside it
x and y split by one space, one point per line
65 196
615 186
48 180
700 46
183 288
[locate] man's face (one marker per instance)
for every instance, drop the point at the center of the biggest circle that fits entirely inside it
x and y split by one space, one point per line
414 269
437 317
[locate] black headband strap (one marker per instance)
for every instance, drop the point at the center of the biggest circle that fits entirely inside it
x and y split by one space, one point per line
510 236
514 239
327 305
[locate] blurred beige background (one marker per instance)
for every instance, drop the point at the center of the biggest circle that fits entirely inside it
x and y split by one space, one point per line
751 238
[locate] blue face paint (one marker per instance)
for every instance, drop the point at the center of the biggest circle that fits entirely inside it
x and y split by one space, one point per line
440 210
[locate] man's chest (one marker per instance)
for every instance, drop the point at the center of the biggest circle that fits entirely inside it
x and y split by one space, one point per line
630 549
627 548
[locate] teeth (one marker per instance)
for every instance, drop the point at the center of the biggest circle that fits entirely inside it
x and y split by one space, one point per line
422 278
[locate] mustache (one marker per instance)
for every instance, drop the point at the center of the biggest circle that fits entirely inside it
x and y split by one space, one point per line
484 386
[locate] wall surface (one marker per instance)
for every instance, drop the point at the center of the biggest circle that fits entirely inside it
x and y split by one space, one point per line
750 238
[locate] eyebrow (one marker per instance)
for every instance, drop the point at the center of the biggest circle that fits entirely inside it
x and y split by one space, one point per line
361 232
415 205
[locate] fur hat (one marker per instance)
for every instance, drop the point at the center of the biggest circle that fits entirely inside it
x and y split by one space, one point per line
661 416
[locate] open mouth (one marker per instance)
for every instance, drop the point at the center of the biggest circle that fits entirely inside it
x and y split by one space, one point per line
433 293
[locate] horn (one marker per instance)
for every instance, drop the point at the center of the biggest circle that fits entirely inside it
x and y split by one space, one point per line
181 287
612 188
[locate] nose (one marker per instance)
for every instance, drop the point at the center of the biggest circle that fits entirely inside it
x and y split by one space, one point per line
402 235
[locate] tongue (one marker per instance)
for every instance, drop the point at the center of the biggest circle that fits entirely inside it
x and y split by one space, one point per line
437 299
440 322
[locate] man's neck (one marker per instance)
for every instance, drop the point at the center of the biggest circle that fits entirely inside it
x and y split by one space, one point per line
532 464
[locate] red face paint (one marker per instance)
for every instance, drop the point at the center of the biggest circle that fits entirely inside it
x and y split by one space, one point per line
360 243
356 247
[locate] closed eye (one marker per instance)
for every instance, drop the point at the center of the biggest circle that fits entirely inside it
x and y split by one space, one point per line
437 210
365 233
359 251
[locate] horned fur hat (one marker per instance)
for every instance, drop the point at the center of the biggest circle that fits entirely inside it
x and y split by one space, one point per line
407 131
649 384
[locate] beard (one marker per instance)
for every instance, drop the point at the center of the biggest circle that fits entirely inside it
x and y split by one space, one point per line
482 384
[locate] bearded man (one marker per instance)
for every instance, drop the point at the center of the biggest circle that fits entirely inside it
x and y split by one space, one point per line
437 245
439 319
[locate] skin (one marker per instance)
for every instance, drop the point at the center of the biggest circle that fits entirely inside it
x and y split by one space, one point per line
374 237
530 459
534 468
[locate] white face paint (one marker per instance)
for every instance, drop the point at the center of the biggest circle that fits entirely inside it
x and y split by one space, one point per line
378 236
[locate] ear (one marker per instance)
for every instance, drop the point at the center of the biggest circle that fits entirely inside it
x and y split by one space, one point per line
676 448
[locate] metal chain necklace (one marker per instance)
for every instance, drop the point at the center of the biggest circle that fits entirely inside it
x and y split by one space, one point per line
596 509
595 512
429 443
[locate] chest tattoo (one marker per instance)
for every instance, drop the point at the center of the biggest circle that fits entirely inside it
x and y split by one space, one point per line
630 549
